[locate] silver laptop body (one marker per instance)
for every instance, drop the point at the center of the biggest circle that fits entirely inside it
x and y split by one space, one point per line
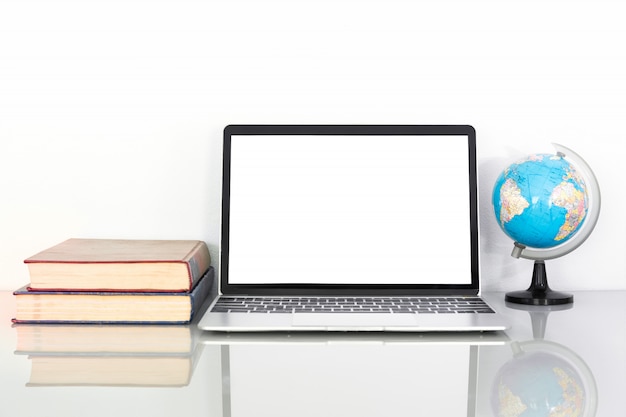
356 212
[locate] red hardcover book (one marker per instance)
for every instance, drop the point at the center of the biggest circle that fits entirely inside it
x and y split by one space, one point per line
119 265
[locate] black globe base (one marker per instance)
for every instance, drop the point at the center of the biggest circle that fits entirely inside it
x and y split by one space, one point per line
539 298
539 293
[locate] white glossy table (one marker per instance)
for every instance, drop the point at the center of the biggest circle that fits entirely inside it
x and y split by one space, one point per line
165 371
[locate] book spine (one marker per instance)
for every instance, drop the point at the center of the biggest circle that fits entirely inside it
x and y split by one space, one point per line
201 292
198 262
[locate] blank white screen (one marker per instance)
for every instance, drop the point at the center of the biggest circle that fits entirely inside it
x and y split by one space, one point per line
349 210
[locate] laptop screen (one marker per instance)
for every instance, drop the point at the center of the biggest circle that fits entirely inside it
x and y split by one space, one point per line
349 207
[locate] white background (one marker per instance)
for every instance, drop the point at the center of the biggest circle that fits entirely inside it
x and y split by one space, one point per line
111 112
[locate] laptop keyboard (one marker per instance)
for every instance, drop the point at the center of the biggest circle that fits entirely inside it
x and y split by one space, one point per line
413 305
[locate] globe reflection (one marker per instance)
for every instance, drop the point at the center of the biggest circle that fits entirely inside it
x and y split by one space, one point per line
538 384
543 378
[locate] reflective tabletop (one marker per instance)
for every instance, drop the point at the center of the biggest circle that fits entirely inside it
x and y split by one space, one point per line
566 360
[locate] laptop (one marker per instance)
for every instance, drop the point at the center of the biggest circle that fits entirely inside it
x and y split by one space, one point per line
382 219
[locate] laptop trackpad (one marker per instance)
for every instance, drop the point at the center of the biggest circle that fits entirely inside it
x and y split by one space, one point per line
350 320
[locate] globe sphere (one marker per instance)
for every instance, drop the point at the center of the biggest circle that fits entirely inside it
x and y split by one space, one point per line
540 201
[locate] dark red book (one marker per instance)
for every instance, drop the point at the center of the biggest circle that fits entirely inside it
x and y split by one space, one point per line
119 265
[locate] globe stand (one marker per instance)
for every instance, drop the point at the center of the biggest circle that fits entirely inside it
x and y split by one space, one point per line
539 293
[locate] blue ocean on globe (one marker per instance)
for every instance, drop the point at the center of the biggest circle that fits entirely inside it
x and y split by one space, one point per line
540 201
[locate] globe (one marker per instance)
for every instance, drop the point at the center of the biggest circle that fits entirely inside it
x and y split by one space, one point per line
540 201
548 205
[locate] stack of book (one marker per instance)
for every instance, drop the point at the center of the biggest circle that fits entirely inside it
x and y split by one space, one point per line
116 281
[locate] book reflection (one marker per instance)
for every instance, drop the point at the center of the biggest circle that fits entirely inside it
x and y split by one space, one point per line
109 355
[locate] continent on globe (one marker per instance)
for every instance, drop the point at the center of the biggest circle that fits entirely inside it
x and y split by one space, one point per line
512 202
566 195
540 201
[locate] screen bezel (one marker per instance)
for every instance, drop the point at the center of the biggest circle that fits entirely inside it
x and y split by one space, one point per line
352 289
